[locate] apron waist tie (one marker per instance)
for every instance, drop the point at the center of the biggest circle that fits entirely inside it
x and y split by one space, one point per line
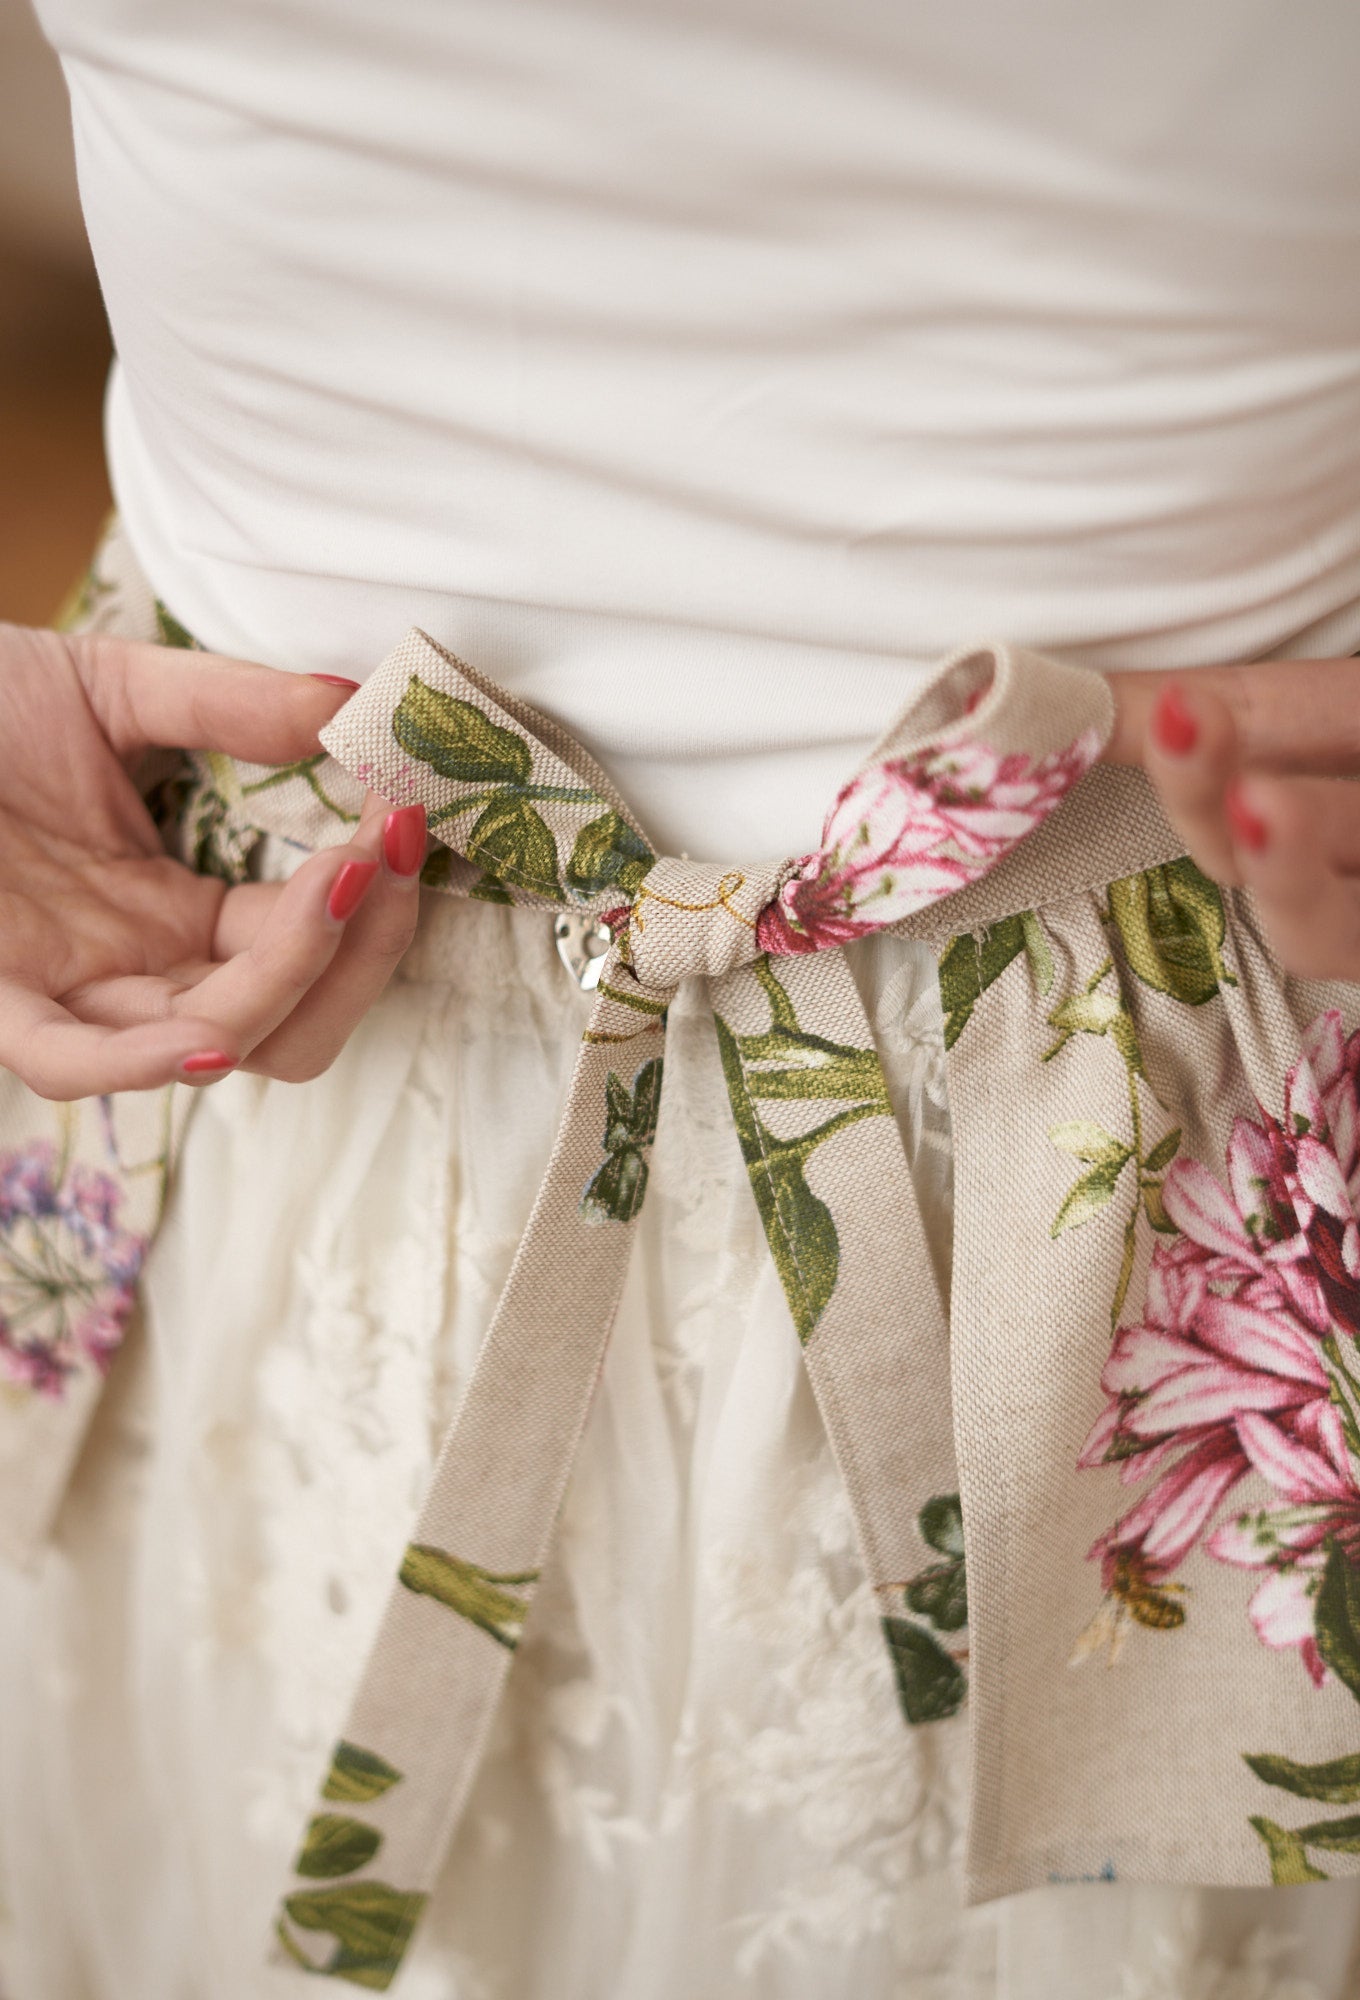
959 789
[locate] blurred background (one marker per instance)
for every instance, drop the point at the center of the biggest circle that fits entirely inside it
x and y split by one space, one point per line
54 344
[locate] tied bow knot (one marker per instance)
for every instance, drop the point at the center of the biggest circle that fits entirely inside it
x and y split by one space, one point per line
695 917
983 754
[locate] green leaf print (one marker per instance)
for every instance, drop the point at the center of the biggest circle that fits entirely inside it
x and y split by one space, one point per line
969 965
335 1845
940 1523
498 1605
1336 1783
458 740
940 1595
169 631
798 1226
438 868
1088 1141
1338 1619
357 1777
930 1682
800 1231
511 840
1170 920
608 854
789 1064
1164 1152
618 1188
1038 951
1289 1864
1090 1193
371 1923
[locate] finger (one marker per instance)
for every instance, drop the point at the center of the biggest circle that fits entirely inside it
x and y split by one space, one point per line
1290 715
62 1058
309 1040
182 699
246 995
1297 848
1190 754
254 990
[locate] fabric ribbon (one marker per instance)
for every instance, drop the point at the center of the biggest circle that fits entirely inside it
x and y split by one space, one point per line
981 758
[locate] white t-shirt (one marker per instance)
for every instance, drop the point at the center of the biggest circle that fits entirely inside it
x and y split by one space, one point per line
704 368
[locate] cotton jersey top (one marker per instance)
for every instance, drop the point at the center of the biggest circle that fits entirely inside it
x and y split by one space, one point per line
702 369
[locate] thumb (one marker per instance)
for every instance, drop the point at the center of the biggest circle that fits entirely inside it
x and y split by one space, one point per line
181 699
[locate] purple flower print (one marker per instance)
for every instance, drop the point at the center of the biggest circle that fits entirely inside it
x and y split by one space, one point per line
68 1269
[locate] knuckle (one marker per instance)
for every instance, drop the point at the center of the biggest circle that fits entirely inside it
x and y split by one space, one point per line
303 1065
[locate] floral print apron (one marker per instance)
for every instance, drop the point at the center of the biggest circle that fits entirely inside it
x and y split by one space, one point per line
1144 1384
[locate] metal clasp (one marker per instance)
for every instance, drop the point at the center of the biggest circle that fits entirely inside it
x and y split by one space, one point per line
582 945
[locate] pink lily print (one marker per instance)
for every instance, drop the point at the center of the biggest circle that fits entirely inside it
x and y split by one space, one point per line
909 830
1243 1363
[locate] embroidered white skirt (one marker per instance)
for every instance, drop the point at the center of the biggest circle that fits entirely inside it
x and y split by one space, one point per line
699 1788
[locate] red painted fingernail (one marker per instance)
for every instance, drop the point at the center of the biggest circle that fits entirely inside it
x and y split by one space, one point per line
349 889
404 839
1248 828
211 1062
335 681
1173 725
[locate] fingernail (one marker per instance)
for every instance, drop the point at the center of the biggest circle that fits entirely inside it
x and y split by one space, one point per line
349 889
404 839
1173 725
210 1062
1248 828
335 681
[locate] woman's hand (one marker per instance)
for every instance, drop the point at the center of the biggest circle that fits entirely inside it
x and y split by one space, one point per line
1256 767
119 968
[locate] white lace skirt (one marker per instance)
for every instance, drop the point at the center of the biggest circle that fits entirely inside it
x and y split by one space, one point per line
700 1787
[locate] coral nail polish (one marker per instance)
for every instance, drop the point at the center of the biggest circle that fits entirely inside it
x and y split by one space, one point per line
349 889
1173 725
404 839
1249 830
336 681
209 1062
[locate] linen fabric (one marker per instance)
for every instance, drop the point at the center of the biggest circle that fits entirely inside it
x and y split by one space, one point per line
1214 1296
704 372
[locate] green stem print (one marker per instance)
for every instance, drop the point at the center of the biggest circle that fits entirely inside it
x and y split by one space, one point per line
305 768
787 1064
931 1683
1095 1011
498 1605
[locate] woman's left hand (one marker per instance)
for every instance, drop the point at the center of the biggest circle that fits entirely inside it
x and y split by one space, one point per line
1256 768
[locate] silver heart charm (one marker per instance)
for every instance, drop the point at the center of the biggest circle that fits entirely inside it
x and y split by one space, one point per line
582 945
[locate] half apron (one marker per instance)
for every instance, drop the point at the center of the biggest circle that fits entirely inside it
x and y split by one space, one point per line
1080 1600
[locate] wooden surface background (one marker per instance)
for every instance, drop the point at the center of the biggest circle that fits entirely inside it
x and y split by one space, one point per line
54 346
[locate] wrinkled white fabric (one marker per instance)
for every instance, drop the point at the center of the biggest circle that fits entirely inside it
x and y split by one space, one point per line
701 1787
704 369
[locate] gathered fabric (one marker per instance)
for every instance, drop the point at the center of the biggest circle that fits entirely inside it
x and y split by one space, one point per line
1154 1283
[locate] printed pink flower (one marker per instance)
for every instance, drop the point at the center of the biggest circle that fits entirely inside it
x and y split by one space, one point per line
68 1269
908 832
1231 1370
1316 1481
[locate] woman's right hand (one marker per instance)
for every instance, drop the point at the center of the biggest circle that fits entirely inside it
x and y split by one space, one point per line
120 969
